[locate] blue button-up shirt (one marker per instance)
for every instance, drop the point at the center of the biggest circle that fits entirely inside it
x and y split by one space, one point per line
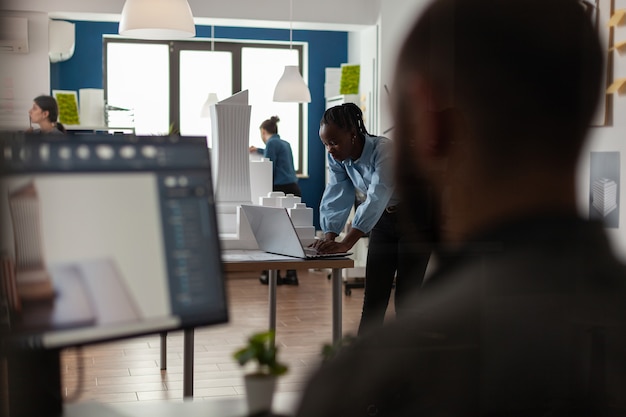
372 174
279 152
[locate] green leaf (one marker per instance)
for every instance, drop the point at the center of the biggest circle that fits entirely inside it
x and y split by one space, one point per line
262 350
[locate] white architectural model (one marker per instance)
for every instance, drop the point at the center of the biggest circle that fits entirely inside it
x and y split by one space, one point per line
604 195
230 124
241 179
301 216
302 219
260 177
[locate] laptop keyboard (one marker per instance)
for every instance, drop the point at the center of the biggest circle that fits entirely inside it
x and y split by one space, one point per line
313 253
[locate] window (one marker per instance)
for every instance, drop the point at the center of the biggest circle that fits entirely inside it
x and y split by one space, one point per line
202 73
166 84
258 66
138 77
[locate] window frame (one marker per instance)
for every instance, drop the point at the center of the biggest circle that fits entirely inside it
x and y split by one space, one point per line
234 46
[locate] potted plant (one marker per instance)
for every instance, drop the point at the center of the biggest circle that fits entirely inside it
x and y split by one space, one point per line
260 383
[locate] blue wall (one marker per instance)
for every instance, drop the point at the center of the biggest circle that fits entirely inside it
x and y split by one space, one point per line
326 49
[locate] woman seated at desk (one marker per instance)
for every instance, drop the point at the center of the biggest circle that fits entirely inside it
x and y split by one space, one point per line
45 112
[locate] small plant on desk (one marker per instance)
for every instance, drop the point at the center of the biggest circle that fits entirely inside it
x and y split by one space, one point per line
262 350
260 384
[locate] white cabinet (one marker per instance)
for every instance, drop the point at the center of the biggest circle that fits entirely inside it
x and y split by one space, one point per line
341 99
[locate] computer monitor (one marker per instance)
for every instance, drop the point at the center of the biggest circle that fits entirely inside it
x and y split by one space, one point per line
105 237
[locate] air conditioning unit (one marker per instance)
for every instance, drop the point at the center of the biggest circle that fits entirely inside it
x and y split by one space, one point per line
13 35
61 40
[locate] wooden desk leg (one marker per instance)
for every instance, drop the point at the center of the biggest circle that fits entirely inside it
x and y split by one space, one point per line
336 293
273 282
188 363
163 351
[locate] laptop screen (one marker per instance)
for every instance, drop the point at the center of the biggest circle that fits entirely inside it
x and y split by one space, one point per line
106 237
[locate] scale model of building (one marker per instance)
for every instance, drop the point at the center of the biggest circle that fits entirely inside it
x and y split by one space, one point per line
604 195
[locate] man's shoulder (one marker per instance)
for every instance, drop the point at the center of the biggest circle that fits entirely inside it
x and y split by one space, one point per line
381 372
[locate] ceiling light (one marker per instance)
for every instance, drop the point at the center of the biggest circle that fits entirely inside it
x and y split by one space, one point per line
157 19
291 86
205 112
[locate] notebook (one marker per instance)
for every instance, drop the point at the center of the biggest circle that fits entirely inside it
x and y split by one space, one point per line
275 233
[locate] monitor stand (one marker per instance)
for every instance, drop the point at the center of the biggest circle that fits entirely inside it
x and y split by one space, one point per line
34 383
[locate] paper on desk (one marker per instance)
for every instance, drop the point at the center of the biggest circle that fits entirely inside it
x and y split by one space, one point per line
247 255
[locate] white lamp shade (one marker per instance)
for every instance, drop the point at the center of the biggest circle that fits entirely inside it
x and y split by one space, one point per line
291 87
206 107
157 19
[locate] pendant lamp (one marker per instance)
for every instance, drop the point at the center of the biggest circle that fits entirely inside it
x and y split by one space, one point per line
291 86
157 19
205 112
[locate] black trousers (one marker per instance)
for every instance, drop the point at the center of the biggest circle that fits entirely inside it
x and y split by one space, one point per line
392 253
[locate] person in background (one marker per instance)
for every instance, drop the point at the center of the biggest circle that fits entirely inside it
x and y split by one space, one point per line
358 161
284 177
45 113
524 314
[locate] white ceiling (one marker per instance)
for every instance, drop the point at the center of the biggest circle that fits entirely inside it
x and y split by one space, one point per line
344 15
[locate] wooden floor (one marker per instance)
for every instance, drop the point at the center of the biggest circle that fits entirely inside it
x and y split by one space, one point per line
129 370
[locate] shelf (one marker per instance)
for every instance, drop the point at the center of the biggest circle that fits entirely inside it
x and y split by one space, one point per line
618 86
96 128
617 18
620 46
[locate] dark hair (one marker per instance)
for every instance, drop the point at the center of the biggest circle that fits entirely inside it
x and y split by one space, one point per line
49 104
522 81
347 116
270 125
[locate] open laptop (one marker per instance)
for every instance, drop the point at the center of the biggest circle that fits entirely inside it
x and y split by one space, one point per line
275 233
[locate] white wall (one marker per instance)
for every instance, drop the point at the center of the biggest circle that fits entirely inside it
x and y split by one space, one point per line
396 18
610 139
344 14
24 76
363 49
376 48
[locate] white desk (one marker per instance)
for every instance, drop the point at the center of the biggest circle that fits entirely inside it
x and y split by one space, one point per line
91 128
256 260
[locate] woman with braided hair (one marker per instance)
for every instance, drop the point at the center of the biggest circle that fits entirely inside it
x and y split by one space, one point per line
359 161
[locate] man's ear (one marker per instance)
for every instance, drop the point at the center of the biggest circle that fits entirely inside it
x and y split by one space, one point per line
430 126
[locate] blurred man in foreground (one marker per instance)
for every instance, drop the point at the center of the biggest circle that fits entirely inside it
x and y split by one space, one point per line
526 312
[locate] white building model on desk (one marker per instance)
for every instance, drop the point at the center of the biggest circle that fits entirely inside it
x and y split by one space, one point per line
240 179
230 124
604 195
301 217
